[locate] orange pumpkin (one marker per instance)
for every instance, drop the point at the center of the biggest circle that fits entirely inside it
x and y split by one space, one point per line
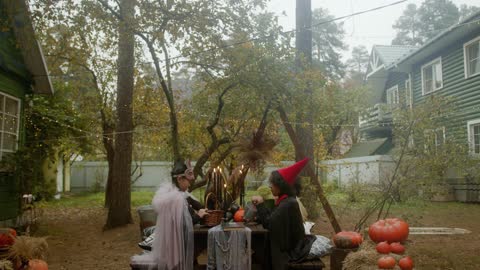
238 217
347 239
7 237
37 264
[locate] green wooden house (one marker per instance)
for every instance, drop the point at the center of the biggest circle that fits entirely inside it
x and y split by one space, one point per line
385 85
22 71
447 65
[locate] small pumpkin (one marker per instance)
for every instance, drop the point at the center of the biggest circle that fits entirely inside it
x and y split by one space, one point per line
397 248
7 237
386 262
406 263
37 264
347 239
390 230
383 247
238 217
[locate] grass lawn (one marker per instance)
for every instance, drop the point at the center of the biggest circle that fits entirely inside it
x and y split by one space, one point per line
74 226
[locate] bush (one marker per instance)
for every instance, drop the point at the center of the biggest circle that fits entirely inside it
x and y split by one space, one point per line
265 192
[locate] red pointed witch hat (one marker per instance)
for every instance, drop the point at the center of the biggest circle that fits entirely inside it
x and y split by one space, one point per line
289 174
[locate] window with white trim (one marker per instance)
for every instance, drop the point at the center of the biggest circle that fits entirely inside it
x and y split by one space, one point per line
471 53
474 136
392 95
9 124
434 138
408 92
432 76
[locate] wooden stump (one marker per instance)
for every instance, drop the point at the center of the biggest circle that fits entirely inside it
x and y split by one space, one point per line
338 256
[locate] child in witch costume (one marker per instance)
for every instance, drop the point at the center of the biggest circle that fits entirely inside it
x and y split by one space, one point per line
288 242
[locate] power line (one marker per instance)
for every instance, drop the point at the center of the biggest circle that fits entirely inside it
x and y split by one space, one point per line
248 40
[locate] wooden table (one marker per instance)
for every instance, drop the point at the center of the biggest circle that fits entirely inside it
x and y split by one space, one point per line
260 245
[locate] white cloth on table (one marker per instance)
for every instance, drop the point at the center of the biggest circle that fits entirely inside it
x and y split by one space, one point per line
229 250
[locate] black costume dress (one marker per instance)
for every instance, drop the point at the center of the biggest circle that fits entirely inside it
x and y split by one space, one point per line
288 242
194 205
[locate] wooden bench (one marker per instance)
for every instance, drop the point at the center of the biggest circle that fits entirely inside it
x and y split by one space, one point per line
307 265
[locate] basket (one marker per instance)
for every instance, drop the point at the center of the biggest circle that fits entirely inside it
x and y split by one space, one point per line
213 218
4 252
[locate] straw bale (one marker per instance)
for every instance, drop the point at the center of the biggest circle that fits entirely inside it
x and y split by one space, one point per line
27 248
366 258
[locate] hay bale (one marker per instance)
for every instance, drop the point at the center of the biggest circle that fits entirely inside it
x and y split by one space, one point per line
366 258
363 259
6 265
27 248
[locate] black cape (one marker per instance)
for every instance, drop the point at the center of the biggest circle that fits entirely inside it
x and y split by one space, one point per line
288 242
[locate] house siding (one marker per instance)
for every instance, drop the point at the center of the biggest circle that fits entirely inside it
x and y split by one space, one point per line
465 92
396 78
15 81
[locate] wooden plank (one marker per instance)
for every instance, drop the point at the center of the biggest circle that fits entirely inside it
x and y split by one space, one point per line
437 230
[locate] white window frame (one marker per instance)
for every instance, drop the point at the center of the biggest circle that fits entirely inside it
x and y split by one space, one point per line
466 60
395 90
471 146
429 132
2 131
408 92
443 136
438 59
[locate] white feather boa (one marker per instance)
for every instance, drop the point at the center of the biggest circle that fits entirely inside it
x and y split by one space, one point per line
172 247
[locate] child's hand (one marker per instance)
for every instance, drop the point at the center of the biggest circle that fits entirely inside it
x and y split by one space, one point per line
202 212
257 199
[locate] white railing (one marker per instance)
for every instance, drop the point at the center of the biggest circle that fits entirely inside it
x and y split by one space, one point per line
377 116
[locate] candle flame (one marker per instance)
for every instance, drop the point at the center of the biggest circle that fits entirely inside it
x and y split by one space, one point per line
225 185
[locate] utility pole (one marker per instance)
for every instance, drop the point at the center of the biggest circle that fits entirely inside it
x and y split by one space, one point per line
302 138
303 60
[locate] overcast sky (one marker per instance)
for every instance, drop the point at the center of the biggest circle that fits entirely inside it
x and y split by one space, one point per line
367 29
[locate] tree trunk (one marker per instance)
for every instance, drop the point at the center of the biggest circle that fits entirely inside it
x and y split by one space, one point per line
119 213
108 144
310 172
303 57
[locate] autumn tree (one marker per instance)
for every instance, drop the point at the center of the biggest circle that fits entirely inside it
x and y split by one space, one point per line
423 134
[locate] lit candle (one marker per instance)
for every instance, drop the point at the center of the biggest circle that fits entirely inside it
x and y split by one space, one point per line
214 186
219 183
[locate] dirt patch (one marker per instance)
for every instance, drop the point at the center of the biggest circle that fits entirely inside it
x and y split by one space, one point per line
77 241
